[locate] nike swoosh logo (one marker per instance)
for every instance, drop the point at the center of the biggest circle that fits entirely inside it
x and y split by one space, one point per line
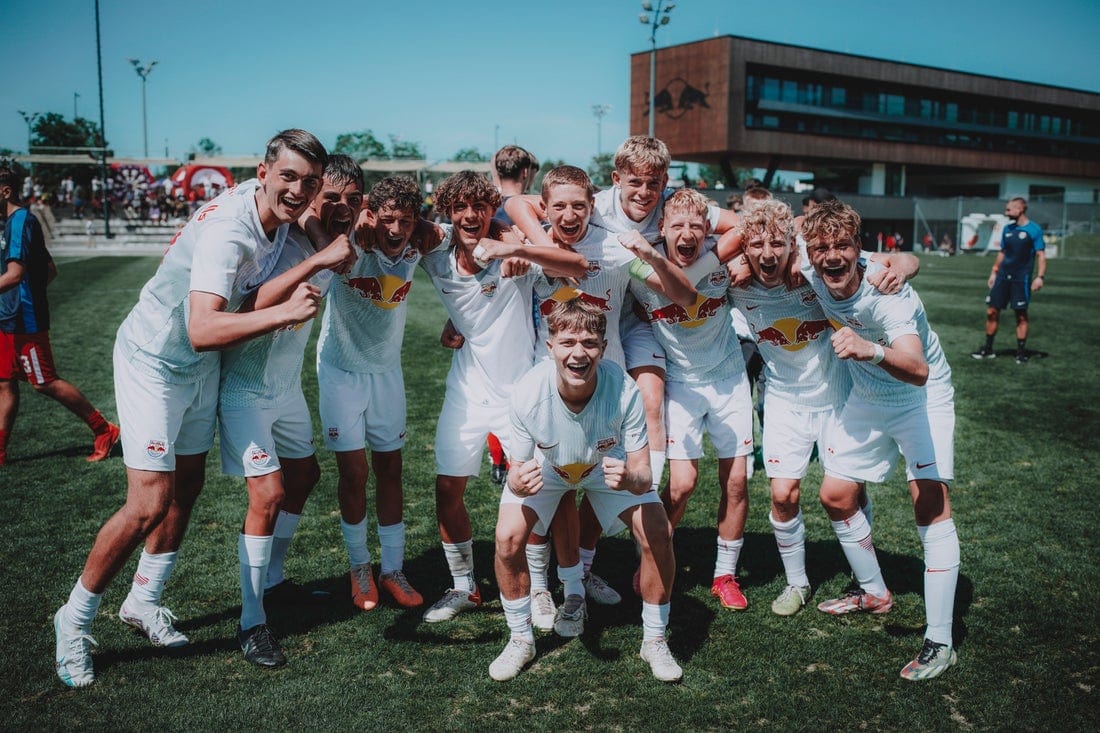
447 292
659 356
751 307
921 466
545 447
748 441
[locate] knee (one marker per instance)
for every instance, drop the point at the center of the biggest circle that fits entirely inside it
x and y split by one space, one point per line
146 516
786 498
351 479
267 499
510 542
655 535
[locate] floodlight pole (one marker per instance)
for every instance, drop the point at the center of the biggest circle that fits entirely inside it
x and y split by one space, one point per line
660 18
143 72
29 118
102 131
599 110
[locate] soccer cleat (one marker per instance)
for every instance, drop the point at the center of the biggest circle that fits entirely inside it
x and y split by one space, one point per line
364 591
73 656
857 600
155 622
728 592
599 591
452 603
260 646
932 661
499 473
983 353
517 654
543 610
1022 357
104 442
398 586
661 662
569 620
791 600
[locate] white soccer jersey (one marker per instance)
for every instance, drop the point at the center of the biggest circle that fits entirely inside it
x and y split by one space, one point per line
699 341
267 370
881 319
571 446
364 320
604 284
493 314
222 250
792 332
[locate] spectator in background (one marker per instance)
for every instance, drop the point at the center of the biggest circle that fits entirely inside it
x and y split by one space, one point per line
515 170
734 202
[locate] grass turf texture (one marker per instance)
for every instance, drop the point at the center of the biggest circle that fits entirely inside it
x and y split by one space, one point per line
1026 609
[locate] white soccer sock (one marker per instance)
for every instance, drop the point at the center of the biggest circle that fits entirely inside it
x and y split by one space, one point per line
460 560
869 510
285 526
573 578
855 539
150 578
538 564
355 540
517 614
654 620
941 575
392 539
725 563
790 538
587 558
657 466
82 607
253 554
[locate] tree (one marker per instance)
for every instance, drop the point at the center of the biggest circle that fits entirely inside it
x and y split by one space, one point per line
599 170
546 167
205 148
360 146
470 155
52 133
405 149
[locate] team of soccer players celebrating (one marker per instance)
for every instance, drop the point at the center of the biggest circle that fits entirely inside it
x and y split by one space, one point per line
594 338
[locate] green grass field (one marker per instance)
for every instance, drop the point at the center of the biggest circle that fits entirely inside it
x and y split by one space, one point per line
1026 611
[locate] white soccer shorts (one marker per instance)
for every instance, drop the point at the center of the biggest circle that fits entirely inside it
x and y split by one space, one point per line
359 409
789 438
723 409
607 504
461 432
640 346
253 438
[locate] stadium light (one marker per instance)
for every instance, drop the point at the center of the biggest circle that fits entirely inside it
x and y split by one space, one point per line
29 118
659 18
143 72
599 110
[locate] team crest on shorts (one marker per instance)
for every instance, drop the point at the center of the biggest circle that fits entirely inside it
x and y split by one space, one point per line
333 433
593 268
718 277
156 449
259 457
606 444
489 289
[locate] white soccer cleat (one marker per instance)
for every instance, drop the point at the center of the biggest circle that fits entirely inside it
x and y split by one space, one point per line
569 621
661 662
452 603
932 661
542 610
517 654
155 622
73 655
599 591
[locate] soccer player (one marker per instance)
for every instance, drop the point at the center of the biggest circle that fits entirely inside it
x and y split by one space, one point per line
362 387
26 269
706 389
1010 280
492 312
265 426
631 204
166 368
515 170
806 384
902 402
579 421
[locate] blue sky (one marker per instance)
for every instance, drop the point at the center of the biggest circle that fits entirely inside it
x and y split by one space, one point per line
452 75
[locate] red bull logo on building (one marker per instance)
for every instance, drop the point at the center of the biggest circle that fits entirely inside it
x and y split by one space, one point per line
791 334
384 291
574 473
567 293
692 317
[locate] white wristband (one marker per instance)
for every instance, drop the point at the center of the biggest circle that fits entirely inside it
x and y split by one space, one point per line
481 257
880 354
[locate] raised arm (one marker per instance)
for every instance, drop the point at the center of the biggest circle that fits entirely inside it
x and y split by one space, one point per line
554 260
903 359
211 328
338 257
526 211
657 272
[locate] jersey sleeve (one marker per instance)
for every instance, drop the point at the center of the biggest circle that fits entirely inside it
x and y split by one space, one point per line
521 446
1037 242
218 255
21 238
897 313
634 430
713 214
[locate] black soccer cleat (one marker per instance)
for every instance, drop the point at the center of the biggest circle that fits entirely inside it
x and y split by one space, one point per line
260 647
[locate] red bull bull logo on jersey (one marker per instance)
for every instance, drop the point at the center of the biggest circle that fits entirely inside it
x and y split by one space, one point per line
692 317
593 268
791 334
574 473
384 291
156 449
606 444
